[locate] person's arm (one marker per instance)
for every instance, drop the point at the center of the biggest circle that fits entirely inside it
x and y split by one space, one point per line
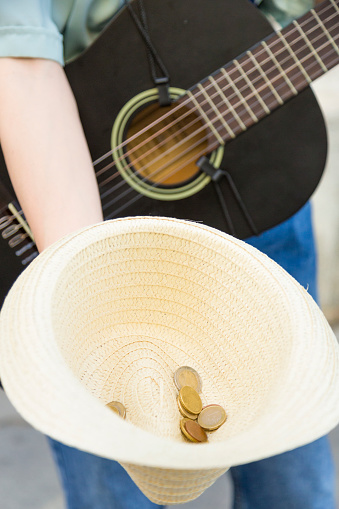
45 149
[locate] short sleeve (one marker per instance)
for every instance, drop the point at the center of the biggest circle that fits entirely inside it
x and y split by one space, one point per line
284 11
27 29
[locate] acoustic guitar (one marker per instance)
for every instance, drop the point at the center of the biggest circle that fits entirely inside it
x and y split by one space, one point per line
240 147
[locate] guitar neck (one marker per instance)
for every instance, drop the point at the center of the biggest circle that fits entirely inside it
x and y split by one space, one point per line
269 74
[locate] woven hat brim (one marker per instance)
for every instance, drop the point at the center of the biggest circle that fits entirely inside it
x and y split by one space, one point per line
51 398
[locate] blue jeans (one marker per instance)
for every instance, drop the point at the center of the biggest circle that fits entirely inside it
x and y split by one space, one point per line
299 479
303 478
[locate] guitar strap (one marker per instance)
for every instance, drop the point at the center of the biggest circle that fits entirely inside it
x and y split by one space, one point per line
161 81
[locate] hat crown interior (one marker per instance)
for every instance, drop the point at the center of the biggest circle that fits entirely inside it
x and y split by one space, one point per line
128 314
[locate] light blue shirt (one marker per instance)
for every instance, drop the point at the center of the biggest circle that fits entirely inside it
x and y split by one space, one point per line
61 29
54 29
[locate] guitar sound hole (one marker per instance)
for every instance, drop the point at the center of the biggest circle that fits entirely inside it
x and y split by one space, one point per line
165 151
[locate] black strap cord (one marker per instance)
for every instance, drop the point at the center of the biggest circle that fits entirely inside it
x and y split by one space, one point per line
162 81
217 174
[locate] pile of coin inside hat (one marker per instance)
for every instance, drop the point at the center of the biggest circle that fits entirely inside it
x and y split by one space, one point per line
196 418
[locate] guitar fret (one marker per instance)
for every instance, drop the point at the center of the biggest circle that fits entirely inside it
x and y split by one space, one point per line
252 87
283 73
330 38
315 38
335 5
272 72
228 104
209 123
307 60
297 61
222 120
241 98
310 45
264 75
268 74
330 22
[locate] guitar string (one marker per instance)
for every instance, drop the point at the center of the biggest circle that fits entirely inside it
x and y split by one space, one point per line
202 127
192 135
187 138
197 120
166 127
97 161
291 32
137 197
244 87
129 190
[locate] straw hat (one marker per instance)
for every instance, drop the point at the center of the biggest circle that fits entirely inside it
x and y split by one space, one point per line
110 312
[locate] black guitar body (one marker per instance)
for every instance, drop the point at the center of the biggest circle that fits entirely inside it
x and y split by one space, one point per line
275 165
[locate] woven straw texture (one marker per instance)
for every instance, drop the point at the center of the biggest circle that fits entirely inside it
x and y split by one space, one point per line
110 313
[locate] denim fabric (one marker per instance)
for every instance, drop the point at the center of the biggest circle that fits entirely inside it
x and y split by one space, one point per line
291 244
303 478
91 482
299 479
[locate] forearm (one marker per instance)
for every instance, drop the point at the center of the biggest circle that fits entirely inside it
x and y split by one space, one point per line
45 149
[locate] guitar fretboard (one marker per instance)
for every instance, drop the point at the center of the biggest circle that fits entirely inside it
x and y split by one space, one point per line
270 73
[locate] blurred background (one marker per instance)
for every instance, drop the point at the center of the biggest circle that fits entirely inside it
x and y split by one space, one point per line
28 479
326 199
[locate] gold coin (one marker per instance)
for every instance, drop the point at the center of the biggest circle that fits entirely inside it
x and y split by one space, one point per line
212 417
187 376
195 431
118 408
190 400
184 412
185 432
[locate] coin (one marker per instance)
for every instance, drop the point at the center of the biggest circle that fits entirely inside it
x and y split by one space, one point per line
190 400
212 417
187 376
184 430
195 431
184 412
118 408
